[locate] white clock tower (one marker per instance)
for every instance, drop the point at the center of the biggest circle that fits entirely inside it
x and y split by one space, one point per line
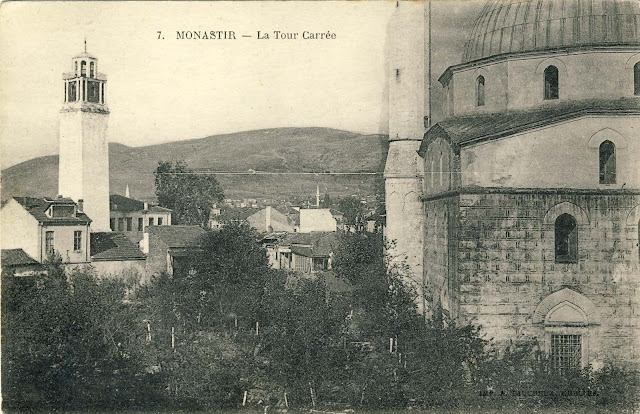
84 152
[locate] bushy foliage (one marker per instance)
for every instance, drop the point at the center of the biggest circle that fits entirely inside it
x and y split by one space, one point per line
69 342
230 325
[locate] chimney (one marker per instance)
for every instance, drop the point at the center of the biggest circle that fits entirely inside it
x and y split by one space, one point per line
126 192
80 205
146 206
144 243
267 217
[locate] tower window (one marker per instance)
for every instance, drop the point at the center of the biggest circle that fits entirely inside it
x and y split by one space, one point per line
636 79
92 67
480 91
120 223
71 95
83 68
129 223
607 154
566 239
75 68
93 91
551 83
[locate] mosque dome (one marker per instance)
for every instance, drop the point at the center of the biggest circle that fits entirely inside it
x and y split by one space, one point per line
511 26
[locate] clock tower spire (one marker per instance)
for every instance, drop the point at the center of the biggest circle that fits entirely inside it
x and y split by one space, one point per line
84 152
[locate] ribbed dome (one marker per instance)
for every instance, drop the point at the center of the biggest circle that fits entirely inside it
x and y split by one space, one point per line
506 26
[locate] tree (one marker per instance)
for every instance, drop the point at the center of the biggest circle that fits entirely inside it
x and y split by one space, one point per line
352 210
188 194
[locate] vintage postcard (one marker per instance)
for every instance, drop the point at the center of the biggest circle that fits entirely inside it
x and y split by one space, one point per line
329 206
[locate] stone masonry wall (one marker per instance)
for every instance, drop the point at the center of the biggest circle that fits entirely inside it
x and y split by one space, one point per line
504 248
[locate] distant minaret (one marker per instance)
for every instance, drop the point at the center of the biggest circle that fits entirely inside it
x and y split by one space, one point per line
317 196
84 154
126 192
408 59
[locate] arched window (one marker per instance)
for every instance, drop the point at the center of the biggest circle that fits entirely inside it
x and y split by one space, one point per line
551 83
432 173
75 66
480 91
83 68
607 163
636 79
566 239
91 69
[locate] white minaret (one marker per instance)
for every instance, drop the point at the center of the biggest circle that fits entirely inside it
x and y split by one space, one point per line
408 60
84 152
317 196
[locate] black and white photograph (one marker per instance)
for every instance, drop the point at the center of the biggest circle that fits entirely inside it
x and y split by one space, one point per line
329 207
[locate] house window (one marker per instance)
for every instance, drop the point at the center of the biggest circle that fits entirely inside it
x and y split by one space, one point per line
480 91
112 224
566 352
48 243
551 83
140 224
566 239
120 224
159 221
77 240
151 221
636 79
607 163
129 224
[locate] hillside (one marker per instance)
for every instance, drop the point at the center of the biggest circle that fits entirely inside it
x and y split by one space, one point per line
272 150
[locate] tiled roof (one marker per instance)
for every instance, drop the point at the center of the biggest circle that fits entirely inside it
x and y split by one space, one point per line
38 206
17 257
107 246
128 205
463 130
178 236
322 243
302 251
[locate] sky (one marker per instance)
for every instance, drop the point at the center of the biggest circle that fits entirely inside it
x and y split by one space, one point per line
168 89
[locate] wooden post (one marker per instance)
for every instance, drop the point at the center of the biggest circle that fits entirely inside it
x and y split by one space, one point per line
148 332
244 399
313 398
173 339
286 402
257 327
391 345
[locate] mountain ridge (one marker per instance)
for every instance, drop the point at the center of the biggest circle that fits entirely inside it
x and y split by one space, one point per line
284 150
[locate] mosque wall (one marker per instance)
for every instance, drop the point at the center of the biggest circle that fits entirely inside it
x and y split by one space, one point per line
506 266
518 82
564 155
